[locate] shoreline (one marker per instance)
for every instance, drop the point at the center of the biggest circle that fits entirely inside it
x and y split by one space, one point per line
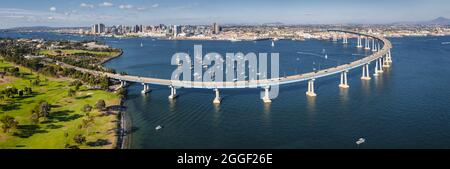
124 123
112 57
247 38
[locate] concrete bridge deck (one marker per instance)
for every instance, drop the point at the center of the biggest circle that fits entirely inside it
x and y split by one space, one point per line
256 83
382 57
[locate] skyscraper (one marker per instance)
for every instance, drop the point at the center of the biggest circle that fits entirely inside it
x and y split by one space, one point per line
136 29
101 28
175 30
98 28
94 29
215 28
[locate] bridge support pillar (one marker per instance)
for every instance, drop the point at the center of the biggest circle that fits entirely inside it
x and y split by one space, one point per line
359 45
310 91
344 83
345 39
367 44
380 67
366 74
173 92
387 60
217 98
146 88
385 63
376 68
389 57
266 98
123 83
374 47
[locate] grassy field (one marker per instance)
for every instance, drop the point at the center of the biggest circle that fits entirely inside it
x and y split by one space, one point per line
65 117
74 52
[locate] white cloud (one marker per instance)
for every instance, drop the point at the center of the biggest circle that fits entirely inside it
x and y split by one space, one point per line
155 5
126 6
106 4
85 5
15 17
141 8
52 8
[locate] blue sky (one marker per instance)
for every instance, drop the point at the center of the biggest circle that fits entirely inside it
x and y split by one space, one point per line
15 13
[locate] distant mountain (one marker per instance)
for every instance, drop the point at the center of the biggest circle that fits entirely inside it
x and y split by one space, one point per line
438 21
273 24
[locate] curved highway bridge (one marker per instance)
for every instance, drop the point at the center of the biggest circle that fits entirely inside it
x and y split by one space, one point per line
381 57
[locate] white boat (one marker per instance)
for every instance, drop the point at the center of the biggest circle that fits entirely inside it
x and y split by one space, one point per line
360 141
273 44
326 56
445 43
158 127
235 40
142 45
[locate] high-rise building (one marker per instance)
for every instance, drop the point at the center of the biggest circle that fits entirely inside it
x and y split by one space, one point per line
98 28
175 30
215 28
136 29
101 28
94 29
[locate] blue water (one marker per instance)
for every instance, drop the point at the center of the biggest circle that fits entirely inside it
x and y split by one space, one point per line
406 107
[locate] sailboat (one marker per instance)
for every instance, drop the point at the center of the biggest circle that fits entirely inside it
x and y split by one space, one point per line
273 43
142 45
326 56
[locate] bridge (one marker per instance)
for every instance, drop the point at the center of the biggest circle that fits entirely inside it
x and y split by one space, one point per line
381 56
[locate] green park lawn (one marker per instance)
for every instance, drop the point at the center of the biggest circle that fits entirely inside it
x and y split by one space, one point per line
65 119
74 52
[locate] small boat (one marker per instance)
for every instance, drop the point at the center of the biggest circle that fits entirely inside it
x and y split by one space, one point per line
235 40
326 56
445 43
158 127
273 44
142 45
360 141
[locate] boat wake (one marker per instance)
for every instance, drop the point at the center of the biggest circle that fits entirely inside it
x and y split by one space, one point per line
313 54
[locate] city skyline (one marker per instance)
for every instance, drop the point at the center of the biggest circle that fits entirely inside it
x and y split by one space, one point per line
114 12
